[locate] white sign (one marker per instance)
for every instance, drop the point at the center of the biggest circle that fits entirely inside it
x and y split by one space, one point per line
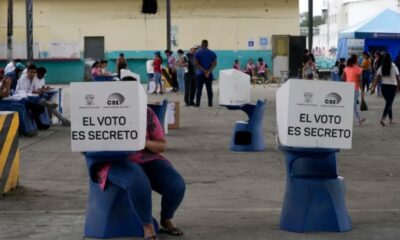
149 66
108 116
315 114
234 87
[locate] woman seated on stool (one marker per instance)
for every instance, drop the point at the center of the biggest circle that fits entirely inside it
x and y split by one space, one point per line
147 170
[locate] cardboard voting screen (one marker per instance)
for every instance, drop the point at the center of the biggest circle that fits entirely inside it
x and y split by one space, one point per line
129 73
315 114
108 116
149 66
234 87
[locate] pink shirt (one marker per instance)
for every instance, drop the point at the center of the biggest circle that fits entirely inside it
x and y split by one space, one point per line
96 71
353 74
154 132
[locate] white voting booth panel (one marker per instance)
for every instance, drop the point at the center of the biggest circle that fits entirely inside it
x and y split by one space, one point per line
129 73
234 87
149 66
315 114
108 116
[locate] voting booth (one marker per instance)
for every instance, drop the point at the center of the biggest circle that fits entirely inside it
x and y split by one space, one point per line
315 120
316 114
234 87
129 73
108 123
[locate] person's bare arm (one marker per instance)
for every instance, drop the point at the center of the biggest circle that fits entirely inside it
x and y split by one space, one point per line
156 146
398 83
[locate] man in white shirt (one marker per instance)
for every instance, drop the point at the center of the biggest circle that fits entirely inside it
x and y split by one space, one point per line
29 83
11 66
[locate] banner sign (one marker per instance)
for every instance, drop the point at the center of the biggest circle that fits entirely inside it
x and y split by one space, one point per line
108 116
315 114
234 87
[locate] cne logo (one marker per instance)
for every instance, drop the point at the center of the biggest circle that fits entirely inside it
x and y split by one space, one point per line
89 99
333 99
115 99
308 96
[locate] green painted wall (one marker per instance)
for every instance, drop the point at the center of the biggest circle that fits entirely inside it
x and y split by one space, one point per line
60 71
137 59
66 71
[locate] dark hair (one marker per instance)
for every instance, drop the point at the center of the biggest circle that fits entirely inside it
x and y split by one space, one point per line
352 60
306 51
236 60
337 63
180 51
386 64
204 43
167 51
103 61
122 55
32 67
366 54
260 59
17 60
41 71
95 64
129 78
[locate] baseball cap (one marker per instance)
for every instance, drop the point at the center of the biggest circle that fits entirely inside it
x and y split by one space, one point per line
158 53
19 65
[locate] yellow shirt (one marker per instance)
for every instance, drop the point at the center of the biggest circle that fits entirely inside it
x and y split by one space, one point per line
366 64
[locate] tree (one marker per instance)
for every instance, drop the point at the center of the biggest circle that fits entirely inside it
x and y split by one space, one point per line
318 20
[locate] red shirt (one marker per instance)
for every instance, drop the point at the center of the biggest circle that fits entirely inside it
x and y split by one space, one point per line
157 65
154 132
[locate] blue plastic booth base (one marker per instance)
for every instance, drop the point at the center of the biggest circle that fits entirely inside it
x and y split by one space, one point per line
109 213
315 195
249 136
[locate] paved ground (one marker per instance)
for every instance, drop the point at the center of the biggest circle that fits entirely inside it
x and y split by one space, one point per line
229 195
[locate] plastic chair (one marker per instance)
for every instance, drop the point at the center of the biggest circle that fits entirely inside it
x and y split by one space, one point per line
315 194
248 136
26 123
109 213
160 110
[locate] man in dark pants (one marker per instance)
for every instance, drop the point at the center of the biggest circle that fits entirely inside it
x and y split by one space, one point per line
190 79
205 61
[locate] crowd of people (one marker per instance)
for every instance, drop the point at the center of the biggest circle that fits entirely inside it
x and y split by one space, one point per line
258 70
370 73
187 73
27 85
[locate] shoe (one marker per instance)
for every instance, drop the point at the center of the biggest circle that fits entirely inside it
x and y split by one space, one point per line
196 105
154 93
161 92
210 105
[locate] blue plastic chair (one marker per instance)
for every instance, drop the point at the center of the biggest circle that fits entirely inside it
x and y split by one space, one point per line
249 136
160 110
109 213
26 123
315 195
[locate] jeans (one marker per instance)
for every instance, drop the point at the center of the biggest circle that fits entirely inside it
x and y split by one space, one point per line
366 80
138 181
181 79
200 81
157 79
389 93
356 111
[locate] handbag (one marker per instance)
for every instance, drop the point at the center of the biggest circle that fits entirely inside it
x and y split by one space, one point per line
363 105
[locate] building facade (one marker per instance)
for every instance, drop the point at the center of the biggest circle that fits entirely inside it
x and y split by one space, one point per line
346 13
65 33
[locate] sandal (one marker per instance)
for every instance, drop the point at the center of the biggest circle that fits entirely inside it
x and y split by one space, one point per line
151 238
171 231
382 122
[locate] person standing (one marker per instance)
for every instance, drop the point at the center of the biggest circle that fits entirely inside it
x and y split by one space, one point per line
236 65
352 74
181 64
121 64
172 70
388 75
366 73
190 80
206 61
157 71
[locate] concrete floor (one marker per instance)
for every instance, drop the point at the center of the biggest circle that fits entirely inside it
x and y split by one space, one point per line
229 195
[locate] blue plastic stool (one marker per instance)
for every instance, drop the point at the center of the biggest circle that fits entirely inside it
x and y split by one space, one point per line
109 213
315 195
26 123
249 136
160 110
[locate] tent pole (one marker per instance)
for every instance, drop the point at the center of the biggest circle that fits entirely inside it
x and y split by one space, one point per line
310 24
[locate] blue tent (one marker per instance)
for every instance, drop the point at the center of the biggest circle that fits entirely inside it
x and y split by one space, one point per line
381 33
